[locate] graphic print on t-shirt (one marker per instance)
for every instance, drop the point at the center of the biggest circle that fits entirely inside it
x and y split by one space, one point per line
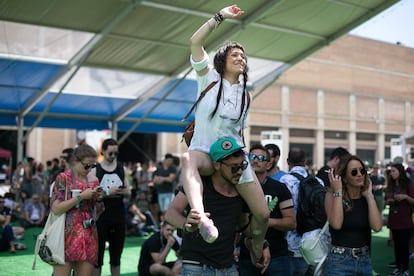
110 180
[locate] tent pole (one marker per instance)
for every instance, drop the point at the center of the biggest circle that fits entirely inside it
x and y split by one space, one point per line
19 138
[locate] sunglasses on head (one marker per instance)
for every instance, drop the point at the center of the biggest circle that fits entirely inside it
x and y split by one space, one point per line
88 166
354 172
113 153
235 168
259 158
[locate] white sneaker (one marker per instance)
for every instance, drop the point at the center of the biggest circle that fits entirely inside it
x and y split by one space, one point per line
208 231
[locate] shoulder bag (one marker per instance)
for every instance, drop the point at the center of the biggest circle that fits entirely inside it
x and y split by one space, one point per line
50 244
314 245
189 130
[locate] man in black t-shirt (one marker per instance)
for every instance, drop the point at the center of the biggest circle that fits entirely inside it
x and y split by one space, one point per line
164 179
282 217
154 251
226 208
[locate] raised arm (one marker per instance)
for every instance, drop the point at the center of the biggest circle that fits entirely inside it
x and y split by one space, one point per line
333 202
199 38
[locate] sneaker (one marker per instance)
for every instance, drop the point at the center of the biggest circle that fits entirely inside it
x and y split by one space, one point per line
20 246
392 265
412 256
395 272
208 231
405 273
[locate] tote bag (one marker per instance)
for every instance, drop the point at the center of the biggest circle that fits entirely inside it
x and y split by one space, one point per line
50 244
314 246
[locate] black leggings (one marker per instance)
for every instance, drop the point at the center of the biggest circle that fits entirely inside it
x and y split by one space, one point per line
115 235
401 239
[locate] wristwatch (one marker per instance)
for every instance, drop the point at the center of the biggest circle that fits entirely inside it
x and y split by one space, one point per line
337 194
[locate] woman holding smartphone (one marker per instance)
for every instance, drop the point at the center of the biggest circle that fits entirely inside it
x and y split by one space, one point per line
79 196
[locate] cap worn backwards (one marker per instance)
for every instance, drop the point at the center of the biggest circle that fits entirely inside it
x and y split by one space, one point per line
224 147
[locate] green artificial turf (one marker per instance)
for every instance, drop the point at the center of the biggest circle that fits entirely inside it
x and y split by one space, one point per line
21 263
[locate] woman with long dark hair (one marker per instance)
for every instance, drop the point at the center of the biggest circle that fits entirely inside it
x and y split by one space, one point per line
221 113
399 195
352 213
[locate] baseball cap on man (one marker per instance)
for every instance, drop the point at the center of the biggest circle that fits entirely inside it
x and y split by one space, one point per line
223 148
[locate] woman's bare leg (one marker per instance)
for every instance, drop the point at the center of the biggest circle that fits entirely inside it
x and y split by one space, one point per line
62 270
252 194
83 268
195 163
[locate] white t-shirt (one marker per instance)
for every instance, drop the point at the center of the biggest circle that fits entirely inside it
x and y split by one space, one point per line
225 122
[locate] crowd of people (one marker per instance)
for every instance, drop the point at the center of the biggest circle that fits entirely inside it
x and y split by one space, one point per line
136 192
230 211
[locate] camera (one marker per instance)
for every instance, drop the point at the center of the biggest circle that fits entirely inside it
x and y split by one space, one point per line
88 223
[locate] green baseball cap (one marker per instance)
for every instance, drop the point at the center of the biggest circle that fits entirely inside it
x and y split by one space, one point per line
224 147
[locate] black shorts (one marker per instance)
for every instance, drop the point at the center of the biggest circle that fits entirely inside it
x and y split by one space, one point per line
146 269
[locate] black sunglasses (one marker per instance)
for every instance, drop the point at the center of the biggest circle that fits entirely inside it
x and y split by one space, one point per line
235 168
259 158
114 153
354 172
88 166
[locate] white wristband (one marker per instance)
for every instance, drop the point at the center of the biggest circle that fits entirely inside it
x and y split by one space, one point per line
199 65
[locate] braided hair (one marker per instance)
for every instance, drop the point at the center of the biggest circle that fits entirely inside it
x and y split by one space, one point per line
220 65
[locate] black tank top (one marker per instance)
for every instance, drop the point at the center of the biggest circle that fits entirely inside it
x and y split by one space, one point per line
114 205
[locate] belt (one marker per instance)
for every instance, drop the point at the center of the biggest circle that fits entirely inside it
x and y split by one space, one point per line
354 252
190 262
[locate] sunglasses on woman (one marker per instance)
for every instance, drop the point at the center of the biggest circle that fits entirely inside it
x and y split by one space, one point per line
354 172
88 166
235 168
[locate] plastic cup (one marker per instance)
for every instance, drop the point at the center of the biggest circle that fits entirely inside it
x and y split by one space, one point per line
75 192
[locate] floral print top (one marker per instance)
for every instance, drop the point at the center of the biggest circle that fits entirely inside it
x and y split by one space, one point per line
81 244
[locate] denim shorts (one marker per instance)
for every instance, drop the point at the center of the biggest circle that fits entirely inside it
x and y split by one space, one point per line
205 270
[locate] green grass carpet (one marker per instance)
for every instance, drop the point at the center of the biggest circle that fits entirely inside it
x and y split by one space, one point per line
21 263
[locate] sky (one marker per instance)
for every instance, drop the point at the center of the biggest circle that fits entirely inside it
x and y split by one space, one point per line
396 24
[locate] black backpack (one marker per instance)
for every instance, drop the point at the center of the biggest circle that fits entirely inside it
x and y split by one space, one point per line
310 214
